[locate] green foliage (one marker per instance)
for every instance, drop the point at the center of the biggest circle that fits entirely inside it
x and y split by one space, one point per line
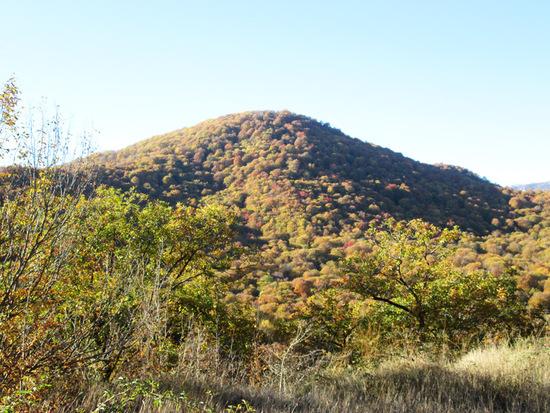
136 260
37 232
92 279
231 326
410 274
242 407
128 391
334 319
20 400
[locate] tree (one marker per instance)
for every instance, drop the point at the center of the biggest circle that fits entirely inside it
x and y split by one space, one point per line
41 206
334 318
88 275
409 273
9 98
135 258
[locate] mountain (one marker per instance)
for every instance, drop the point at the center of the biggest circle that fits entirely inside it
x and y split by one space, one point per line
306 193
540 186
261 161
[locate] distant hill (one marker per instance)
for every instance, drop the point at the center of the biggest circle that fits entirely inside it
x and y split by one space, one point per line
272 164
542 186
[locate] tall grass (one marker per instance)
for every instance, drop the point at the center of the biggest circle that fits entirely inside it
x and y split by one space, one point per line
503 377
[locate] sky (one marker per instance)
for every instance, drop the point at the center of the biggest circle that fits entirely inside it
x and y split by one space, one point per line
457 82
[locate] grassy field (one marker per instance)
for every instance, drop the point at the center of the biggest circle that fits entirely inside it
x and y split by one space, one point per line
502 377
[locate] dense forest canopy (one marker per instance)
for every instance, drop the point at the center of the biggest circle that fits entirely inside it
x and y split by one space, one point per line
307 163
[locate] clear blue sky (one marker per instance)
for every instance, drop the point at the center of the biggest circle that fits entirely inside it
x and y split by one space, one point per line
443 81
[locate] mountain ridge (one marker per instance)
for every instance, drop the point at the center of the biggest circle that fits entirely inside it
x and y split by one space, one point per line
536 186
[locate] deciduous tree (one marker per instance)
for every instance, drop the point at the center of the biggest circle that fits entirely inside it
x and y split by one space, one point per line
409 273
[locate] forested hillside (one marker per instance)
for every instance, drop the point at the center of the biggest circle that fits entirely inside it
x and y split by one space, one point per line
292 164
306 193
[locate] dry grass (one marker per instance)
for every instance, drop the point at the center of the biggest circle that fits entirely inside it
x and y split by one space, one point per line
505 377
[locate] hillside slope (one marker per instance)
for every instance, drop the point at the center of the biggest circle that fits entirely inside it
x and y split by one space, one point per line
306 193
540 186
275 161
